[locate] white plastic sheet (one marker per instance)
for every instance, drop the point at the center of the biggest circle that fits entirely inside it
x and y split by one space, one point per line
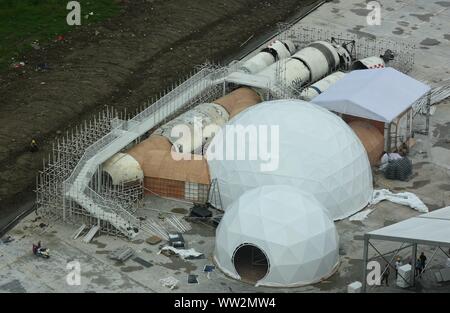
403 198
183 253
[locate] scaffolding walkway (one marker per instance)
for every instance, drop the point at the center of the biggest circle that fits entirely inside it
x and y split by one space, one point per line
76 187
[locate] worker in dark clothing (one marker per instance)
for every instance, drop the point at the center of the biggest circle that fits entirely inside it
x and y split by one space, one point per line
385 275
34 146
423 260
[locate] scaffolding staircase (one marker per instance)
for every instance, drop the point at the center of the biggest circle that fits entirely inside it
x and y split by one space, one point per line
76 187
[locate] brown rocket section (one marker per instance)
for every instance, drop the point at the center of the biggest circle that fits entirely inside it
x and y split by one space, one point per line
371 138
168 177
186 179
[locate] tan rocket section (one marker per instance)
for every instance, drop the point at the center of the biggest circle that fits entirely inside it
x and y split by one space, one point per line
162 172
238 100
167 176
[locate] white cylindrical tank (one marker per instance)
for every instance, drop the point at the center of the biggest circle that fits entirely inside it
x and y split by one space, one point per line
189 131
277 50
368 63
320 57
123 168
318 87
307 65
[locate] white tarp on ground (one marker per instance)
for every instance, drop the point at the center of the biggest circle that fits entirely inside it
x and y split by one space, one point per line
431 228
376 94
403 198
183 253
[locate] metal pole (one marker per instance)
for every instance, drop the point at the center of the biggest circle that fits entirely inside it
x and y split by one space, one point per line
365 256
413 264
389 141
427 123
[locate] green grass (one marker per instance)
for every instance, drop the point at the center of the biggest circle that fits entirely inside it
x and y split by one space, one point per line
24 21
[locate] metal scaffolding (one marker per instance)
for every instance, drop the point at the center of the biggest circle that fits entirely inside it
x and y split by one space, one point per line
72 186
302 35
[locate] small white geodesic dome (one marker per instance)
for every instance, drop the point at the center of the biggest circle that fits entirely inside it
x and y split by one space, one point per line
317 152
290 229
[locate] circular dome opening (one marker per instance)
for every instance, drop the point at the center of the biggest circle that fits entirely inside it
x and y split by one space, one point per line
251 263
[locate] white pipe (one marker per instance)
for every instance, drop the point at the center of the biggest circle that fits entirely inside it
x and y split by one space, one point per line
306 66
318 87
277 50
189 131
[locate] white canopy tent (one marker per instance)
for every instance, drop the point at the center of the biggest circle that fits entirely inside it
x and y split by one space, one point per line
432 229
376 94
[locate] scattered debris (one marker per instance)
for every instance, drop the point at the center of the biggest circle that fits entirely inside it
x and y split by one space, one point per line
192 279
91 233
60 38
442 275
200 211
42 67
186 254
360 216
354 287
403 198
142 262
18 65
169 282
399 169
178 224
209 268
35 45
176 240
216 220
39 251
122 254
153 240
78 232
7 239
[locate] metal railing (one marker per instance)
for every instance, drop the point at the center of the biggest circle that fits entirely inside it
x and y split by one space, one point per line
77 184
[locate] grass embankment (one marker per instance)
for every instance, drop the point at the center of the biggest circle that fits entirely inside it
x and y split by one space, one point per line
22 22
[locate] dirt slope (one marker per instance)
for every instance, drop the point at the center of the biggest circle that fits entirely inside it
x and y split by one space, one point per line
121 63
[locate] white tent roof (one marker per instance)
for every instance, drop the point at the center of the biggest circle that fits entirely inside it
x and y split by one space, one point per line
430 228
291 228
377 94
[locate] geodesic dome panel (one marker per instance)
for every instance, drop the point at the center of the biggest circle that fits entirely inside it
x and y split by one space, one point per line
317 152
289 226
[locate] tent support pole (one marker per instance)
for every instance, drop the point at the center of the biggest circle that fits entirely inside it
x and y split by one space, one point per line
413 264
365 256
389 138
427 123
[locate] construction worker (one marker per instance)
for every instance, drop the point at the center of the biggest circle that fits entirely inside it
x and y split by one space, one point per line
33 146
423 262
398 263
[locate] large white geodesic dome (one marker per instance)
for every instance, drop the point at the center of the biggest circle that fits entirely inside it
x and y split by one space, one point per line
317 152
295 239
